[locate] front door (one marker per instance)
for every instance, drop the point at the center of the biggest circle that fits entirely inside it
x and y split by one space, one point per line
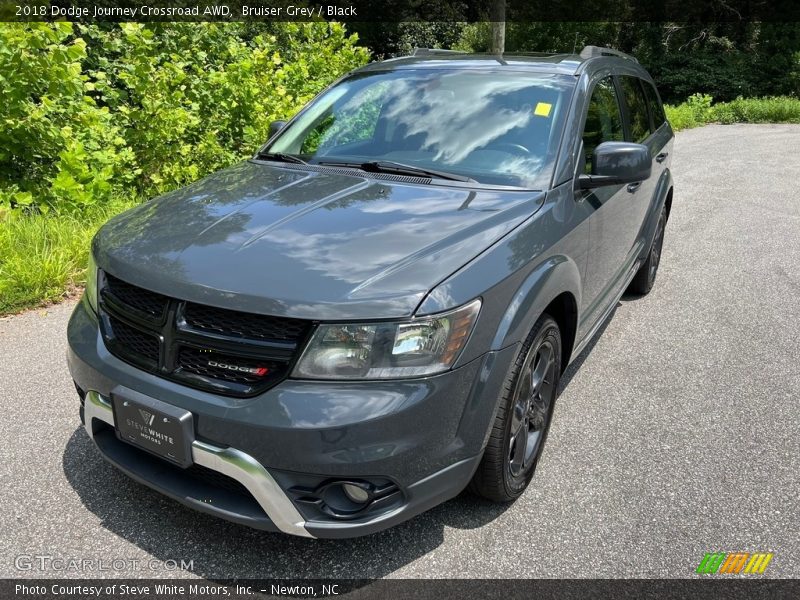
610 239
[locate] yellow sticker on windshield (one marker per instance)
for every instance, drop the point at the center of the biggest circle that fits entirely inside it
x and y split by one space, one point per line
542 109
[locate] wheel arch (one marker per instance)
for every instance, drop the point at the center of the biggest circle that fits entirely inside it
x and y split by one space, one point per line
552 288
662 197
668 200
564 310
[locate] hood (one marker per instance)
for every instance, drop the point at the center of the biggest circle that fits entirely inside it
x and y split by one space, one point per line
303 243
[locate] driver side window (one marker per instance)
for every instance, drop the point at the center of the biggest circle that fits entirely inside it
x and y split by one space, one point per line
603 120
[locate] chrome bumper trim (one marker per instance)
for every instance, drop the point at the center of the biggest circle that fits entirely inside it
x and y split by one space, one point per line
231 462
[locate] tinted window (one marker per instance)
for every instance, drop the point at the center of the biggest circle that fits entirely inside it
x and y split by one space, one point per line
637 108
656 110
498 128
603 120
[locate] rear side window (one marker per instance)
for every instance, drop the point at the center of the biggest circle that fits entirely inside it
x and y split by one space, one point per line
656 110
637 108
603 120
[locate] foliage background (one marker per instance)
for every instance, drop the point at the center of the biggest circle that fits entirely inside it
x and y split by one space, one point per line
94 112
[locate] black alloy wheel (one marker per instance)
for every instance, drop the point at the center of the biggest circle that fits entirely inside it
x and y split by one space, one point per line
534 396
523 416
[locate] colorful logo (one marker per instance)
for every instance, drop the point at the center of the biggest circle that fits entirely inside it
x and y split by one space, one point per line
734 562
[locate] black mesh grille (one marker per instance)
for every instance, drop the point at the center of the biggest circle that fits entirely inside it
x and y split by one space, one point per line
217 479
134 341
224 367
243 325
177 340
150 303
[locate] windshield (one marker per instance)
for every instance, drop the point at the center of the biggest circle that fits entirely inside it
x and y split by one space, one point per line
496 127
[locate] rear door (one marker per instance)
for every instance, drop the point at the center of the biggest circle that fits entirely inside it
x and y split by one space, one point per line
638 130
661 145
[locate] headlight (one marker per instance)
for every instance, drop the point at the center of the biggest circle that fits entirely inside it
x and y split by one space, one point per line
412 348
90 293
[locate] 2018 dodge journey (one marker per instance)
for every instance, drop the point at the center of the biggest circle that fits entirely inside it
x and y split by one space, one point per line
373 313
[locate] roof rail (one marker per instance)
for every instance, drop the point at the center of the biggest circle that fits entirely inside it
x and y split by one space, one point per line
433 51
594 51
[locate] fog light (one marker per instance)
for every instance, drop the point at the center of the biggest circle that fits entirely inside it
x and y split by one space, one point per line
355 493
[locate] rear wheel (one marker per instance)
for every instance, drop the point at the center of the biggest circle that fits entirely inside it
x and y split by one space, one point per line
645 277
523 417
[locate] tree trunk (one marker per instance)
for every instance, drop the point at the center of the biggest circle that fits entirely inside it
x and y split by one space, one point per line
498 37
498 27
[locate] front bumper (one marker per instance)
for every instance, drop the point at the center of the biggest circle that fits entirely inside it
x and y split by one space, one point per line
230 462
424 436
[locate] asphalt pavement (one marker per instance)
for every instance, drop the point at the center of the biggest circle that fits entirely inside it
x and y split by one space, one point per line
677 431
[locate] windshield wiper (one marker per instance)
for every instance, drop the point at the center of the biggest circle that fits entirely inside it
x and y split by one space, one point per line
389 166
282 156
396 168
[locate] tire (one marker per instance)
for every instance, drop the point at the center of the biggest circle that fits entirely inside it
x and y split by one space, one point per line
507 467
645 277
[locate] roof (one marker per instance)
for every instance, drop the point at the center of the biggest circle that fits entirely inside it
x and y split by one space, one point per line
568 64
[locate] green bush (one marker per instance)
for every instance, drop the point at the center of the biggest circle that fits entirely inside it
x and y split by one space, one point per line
757 110
95 112
58 148
695 111
680 116
699 110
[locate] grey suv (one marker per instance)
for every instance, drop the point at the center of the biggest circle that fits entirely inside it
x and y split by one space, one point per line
373 313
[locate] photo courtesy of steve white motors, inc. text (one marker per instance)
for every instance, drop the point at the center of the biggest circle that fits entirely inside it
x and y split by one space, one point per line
173 589
210 10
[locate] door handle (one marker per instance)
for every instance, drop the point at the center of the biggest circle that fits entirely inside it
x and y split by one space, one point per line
662 157
632 187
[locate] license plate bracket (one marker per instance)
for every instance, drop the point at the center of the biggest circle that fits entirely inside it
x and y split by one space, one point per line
155 426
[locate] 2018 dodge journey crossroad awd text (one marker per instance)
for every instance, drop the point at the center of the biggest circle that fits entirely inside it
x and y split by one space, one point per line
373 313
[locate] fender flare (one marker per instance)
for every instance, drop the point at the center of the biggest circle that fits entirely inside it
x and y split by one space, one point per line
660 194
548 280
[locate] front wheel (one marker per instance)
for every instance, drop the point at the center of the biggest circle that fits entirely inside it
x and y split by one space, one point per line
523 417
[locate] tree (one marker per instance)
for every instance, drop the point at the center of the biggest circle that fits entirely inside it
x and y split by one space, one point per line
499 27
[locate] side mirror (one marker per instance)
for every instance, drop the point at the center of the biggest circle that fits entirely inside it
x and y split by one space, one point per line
275 127
616 163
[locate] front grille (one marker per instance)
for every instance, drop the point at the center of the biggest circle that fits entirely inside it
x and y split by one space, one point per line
201 346
133 343
242 325
140 300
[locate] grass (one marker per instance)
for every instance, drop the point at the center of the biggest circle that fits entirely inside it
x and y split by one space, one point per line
699 110
43 257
